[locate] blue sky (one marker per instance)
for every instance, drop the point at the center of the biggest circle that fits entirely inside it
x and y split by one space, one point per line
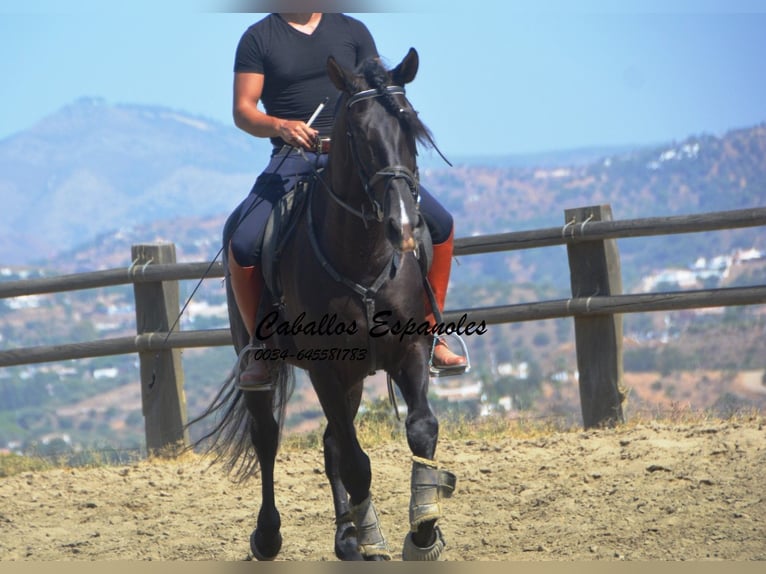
496 77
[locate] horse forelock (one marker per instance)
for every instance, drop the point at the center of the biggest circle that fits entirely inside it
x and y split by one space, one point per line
377 77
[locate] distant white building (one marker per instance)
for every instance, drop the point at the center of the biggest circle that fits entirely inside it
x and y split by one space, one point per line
205 309
106 373
461 393
24 302
519 371
683 278
751 254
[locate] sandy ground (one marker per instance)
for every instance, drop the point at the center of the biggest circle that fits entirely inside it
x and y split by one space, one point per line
656 491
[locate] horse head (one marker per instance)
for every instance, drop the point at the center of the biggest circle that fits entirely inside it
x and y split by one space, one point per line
375 145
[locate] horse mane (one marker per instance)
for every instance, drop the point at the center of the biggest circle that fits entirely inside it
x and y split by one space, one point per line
377 78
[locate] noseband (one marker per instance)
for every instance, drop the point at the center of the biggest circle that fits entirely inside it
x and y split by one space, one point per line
388 174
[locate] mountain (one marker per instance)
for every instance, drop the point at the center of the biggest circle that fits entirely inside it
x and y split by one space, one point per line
92 167
700 174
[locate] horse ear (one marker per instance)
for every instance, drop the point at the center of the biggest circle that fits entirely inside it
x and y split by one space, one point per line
337 75
405 72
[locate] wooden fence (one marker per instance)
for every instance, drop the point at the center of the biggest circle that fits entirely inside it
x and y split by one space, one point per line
597 305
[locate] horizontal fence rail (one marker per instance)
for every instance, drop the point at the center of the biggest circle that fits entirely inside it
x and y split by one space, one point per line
555 309
599 230
491 243
110 278
146 342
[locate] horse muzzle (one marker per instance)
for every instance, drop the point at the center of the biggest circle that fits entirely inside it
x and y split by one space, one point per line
404 224
403 238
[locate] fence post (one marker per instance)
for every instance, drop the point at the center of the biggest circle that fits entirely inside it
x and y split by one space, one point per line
162 382
595 270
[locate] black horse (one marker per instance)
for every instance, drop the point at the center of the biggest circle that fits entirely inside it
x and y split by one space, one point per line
351 267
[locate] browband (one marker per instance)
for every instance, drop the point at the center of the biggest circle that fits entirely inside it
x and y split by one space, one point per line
373 93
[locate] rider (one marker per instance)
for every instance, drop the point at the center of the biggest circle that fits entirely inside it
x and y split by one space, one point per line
281 60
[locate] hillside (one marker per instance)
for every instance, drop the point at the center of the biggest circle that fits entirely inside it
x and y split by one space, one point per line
94 172
93 168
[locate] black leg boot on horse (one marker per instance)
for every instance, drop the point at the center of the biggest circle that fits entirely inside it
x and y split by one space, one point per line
443 361
247 285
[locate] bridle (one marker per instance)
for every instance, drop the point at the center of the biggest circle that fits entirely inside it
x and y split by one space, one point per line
388 174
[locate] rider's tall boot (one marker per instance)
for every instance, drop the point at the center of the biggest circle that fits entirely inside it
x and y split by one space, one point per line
247 285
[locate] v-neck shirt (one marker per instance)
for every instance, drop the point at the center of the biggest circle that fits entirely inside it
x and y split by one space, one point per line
294 63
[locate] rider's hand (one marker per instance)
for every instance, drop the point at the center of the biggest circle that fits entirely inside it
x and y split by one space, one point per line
297 133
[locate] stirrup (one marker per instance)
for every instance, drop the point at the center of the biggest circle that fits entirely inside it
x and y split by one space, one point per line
448 370
266 385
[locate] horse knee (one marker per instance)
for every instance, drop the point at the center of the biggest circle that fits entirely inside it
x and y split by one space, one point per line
422 433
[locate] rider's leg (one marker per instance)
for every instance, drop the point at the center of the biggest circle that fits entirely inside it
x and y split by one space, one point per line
441 226
242 240
242 234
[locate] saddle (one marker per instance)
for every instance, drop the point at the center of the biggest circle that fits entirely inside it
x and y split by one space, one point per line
282 222
279 228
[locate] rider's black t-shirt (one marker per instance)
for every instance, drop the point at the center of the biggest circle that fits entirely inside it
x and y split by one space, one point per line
294 64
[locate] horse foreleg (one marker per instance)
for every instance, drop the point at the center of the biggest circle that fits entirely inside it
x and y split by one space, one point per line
265 540
428 486
428 483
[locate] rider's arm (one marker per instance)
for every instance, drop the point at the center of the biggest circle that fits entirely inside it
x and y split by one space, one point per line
248 88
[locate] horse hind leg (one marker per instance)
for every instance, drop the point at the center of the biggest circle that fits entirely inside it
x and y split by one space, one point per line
346 546
266 539
348 468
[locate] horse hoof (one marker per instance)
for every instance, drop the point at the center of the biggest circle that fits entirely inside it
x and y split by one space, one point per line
431 553
346 547
262 549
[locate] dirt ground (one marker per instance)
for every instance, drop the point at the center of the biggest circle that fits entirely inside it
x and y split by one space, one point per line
653 491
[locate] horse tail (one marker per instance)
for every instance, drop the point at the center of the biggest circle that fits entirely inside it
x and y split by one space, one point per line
230 440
